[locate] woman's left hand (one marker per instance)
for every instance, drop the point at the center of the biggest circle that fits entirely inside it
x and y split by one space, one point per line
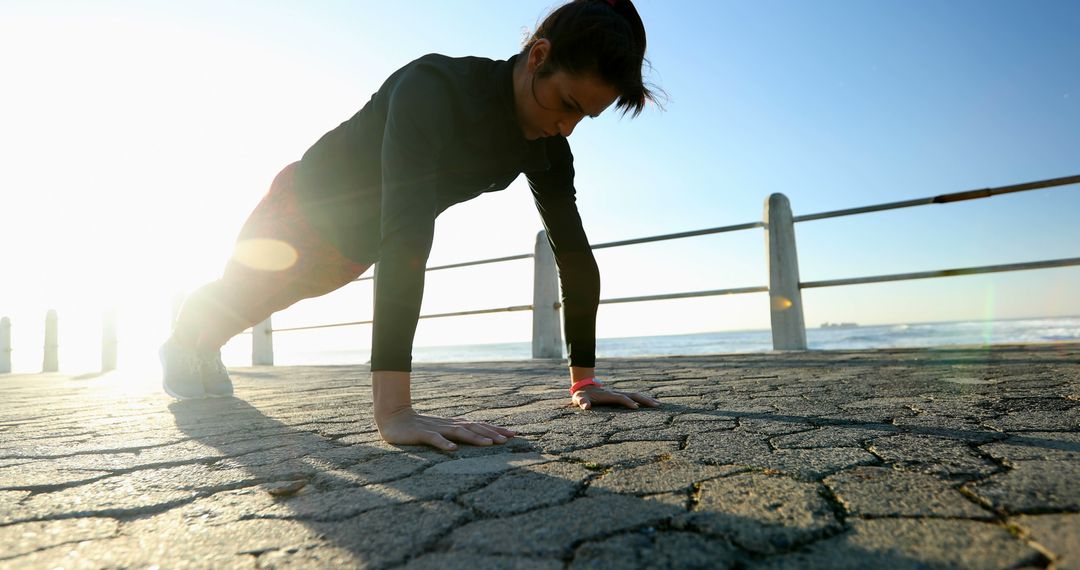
589 395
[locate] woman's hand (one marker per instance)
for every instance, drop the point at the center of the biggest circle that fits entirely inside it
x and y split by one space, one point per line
406 427
589 395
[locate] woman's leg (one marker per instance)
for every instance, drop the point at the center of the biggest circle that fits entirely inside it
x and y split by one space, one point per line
279 260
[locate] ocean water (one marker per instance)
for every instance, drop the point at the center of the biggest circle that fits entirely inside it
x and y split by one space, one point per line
857 337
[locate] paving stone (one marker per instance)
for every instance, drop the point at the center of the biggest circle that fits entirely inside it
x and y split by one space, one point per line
532 429
67 446
1033 486
948 427
813 464
726 447
346 455
862 416
833 436
528 488
488 464
1060 534
10 500
932 455
444 560
1050 446
799 405
24 538
224 507
697 418
131 493
913 544
737 408
1037 421
552 531
884 492
675 432
643 417
1004 420
625 452
389 535
694 402
662 476
437 486
332 505
557 443
535 413
656 550
378 470
762 513
678 500
772 426
163 539
43 473
886 402
359 439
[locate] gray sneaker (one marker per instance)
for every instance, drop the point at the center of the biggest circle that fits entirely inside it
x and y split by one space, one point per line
215 378
182 371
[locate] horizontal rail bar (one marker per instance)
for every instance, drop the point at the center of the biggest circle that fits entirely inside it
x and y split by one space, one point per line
721 229
466 264
944 273
479 312
312 327
944 198
434 316
736 291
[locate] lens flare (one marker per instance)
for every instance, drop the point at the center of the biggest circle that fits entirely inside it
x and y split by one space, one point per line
781 303
265 254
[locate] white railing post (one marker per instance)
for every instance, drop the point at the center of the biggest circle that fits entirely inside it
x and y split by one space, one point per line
51 362
785 297
5 345
547 330
262 344
108 341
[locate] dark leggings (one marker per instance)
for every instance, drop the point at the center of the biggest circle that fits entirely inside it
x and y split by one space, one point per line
278 260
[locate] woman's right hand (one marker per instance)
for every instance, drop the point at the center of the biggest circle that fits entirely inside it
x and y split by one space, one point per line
406 427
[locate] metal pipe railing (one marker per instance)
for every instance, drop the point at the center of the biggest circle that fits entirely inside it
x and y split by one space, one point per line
944 198
944 273
735 291
784 285
789 330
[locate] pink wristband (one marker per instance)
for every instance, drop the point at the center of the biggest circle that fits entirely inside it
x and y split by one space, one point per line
583 383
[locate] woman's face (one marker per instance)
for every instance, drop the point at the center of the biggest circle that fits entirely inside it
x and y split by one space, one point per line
555 104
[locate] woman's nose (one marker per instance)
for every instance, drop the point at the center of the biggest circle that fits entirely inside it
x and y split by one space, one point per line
566 126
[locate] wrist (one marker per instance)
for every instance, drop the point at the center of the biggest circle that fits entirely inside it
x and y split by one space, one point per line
390 393
581 373
582 384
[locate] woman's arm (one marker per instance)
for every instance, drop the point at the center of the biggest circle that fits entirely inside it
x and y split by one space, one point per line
555 196
418 126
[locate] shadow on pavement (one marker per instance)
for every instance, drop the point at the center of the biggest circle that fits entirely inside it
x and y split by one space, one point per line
383 505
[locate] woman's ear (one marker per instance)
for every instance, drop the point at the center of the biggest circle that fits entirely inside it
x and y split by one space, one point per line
538 54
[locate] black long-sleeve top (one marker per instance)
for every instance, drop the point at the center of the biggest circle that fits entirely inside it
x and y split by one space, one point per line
438 132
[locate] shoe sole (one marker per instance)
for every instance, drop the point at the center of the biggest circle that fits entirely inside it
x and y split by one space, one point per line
178 396
213 395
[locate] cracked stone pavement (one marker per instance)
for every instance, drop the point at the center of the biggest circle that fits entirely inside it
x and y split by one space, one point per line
903 458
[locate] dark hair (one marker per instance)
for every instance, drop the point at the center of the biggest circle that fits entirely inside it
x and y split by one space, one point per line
598 36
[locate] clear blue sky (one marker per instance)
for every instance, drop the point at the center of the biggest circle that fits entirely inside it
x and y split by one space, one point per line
146 131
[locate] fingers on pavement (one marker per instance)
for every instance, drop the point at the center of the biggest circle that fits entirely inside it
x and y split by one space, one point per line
435 439
464 434
647 400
